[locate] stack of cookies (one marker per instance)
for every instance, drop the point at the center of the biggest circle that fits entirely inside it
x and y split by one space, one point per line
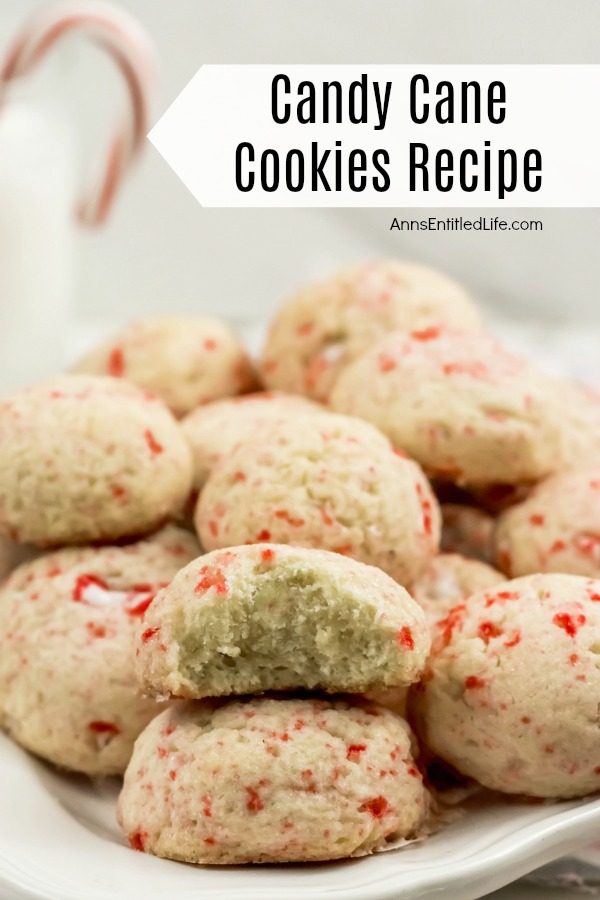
275 777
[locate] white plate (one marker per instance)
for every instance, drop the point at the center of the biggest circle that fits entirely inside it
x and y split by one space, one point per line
59 841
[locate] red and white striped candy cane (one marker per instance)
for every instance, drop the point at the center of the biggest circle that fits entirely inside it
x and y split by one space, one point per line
129 47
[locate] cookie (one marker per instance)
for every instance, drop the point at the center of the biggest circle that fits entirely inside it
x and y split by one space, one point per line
330 482
271 617
184 360
271 780
557 529
467 530
458 403
327 325
85 458
213 430
450 578
510 694
67 626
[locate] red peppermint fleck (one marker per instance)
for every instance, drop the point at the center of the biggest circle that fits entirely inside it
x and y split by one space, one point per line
116 363
537 519
172 774
100 727
386 362
239 476
210 344
213 527
573 659
305 328
149 633
474 682
264 535
137 840
94 630
412 770
426 510
212 577
557 546
267 555
488 630
139 608
327 520
253 800
287 517
376 806
210 841
83 582
53 571
453 620
118 491
569 623
501 597
206 806
525 720
426 334
153 444
589 544
405 639
343 549
475 369
514 640
354 751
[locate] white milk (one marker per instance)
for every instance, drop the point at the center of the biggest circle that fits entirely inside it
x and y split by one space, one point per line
36 241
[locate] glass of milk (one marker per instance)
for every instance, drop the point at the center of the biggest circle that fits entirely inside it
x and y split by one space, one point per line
37 198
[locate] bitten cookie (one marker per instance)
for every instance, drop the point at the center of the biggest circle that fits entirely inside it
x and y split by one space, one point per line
557 529
88 459
330 482
450 578
467 530
458 403
510 693
184 360
213 430
270 617
271 780
327 325
67 625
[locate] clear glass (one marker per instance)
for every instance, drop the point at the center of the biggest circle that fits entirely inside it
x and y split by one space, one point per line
36 237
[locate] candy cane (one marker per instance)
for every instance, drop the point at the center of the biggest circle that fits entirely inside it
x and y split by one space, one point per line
129 47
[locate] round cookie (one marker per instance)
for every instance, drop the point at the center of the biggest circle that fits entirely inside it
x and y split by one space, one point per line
459 404
271 780
67 626
330 482
448 579
184 360
557 529
510 693
213 430
327 325
467 530
85 458
271 617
